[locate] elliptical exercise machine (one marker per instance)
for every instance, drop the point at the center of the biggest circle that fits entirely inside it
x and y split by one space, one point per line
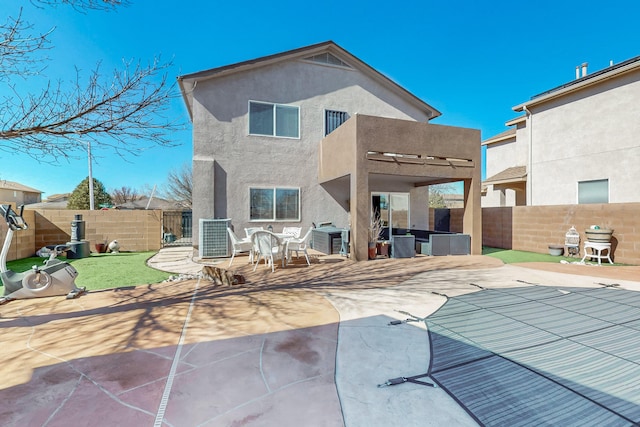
55 278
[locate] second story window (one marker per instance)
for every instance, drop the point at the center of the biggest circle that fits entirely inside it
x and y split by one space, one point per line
274 119
333 119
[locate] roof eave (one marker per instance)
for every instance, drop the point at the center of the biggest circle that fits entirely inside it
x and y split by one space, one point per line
505 181
186 97
586 81
498 139
516 120
301 53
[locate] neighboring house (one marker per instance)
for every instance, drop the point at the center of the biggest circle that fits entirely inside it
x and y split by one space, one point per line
315 135
453 201
154 203
55 201
14 192
576 143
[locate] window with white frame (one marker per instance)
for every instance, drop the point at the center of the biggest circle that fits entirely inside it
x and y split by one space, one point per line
333 119
596 191
274 119
274 204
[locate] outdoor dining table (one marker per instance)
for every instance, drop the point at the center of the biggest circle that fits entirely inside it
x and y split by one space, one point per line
284 239
284 242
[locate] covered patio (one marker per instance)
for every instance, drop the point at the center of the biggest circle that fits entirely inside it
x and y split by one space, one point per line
369 154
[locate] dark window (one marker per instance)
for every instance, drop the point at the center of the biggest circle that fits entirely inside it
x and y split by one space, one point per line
333 119
274 204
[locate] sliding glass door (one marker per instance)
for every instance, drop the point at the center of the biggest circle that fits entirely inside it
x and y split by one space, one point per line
391 208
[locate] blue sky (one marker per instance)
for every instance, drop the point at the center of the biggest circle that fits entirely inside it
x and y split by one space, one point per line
471 60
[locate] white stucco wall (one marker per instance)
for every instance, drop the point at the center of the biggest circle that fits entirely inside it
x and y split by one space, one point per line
230 160
500 156
593 134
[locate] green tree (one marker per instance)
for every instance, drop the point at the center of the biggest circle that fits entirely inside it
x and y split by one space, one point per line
436 199
79 199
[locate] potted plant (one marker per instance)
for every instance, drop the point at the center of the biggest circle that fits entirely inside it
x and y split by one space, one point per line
101 247
375 232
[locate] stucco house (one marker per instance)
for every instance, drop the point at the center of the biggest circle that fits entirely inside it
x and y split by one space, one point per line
576 143
20 194
316 135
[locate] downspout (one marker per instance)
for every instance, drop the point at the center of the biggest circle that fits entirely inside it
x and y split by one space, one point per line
530 157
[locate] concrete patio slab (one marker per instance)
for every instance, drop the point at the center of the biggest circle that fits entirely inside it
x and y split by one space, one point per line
301 346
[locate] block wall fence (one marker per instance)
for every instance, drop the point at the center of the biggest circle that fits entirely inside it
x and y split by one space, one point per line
534 228
525 228
135 230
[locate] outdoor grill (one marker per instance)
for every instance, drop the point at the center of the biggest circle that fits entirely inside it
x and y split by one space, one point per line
327 238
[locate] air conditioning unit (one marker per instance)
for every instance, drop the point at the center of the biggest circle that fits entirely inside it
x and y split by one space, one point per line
214 240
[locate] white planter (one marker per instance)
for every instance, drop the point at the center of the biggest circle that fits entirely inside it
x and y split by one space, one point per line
556 250
601 235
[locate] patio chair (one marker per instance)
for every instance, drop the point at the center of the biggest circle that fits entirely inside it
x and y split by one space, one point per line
298 245
239 246
292 231
268 246
249 231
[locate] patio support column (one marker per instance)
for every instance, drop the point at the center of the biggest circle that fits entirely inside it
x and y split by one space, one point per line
204 194
472 217
360 213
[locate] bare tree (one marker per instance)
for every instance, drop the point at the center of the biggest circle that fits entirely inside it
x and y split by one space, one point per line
123 195
61 120
437 195
179 185
17 47
85 4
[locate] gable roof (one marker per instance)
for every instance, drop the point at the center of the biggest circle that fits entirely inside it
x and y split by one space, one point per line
10 185
597 77
513 174
58 204
58 197
187 82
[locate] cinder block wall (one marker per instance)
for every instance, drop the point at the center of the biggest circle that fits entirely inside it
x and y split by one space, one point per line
135 230
534 228
497 227
23 241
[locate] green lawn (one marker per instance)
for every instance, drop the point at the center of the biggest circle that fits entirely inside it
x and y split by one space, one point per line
509 256
101 271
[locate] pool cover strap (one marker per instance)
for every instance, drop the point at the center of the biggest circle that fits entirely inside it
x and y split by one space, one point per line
401 380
